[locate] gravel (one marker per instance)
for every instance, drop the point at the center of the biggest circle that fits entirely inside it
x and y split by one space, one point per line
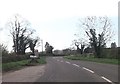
28 74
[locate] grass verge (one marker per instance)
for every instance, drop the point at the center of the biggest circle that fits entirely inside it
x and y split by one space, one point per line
99 60
20 64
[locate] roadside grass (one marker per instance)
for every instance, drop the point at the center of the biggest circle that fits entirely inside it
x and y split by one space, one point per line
92 59
42 60
13 65
20 64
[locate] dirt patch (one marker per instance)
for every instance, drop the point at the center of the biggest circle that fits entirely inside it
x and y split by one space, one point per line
28 74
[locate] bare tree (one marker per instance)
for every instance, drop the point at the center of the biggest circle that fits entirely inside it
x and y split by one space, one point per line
80 44
98 29
76 43
33 43
48 48
20 31
113 45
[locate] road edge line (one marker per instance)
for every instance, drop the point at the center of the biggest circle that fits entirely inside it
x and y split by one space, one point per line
88 70
67 62
107 79
76 65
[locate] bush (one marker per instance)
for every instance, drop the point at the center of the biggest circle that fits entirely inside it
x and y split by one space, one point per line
3 50
12 57
111 53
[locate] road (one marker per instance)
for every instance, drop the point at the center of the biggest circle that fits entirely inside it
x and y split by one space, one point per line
59 69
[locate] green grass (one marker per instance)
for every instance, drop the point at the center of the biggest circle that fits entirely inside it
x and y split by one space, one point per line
42 60
20 64
99 60
13 65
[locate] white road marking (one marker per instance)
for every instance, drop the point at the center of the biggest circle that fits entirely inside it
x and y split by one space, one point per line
88 70
67 62
75 65
106 79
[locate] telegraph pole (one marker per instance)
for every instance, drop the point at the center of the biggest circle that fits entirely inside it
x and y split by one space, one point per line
42 45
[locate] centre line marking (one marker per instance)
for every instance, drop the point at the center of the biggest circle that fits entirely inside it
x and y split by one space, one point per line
67 62
88 70
61 61
106 79
76 65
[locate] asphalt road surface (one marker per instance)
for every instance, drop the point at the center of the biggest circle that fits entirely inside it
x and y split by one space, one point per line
59 69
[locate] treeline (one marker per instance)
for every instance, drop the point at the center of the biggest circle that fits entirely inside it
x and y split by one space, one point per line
112 53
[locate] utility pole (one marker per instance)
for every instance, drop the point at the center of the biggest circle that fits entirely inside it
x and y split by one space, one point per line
42 45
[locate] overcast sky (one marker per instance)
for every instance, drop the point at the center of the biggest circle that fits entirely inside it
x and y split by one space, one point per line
56 21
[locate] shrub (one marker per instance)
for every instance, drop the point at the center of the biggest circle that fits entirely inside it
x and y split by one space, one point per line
111 53
12 57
